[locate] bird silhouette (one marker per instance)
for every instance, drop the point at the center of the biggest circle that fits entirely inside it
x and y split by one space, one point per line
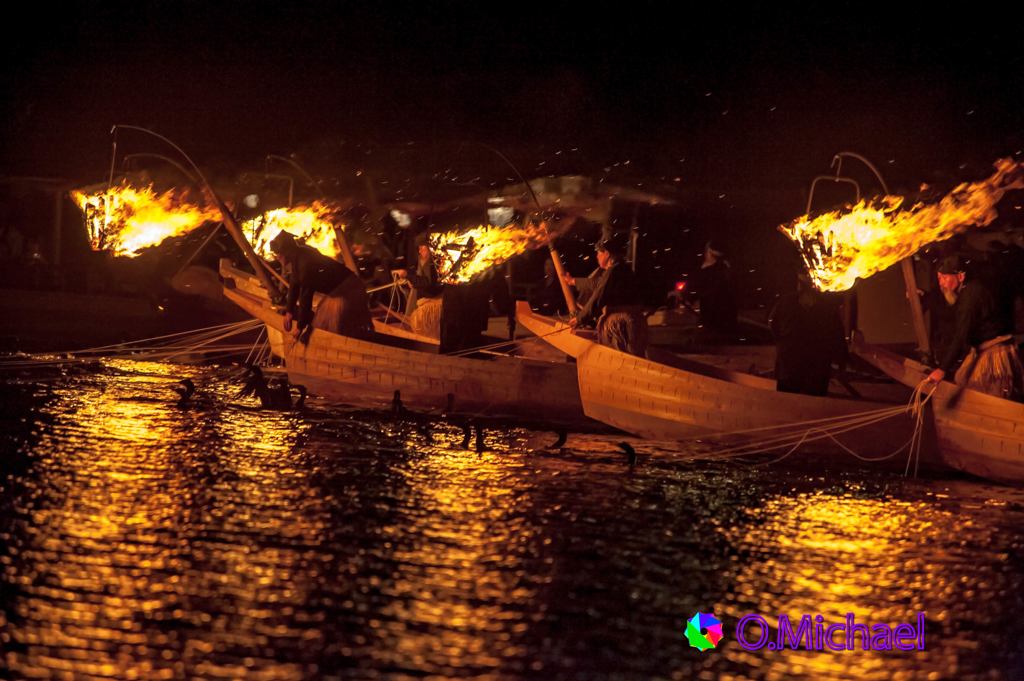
300 403
397 408
630 453
185 392
467 434
480 446
272 395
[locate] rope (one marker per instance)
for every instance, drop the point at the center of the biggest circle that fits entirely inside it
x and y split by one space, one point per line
173 345
195 347
835 426
153 338
391 300
393 284
263 331
485 348
853 422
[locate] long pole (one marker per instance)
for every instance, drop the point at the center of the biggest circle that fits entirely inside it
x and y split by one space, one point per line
570 299
184 171
906 265
634 237
257 263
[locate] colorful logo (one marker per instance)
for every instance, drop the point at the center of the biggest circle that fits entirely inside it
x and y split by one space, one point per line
711 634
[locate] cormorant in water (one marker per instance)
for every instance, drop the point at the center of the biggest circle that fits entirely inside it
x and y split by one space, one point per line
397 407
630 453
480 446
185 392
271 396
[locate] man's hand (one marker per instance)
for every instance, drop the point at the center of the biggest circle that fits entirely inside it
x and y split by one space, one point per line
937 376
574 322
400 274
569 279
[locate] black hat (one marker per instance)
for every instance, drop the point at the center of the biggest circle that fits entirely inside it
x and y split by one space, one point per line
614 244
282 243
951 265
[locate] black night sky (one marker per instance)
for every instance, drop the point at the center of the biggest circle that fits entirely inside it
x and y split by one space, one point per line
739 109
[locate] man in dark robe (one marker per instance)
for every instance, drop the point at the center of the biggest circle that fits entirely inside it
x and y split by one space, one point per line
611 300
712 286
982 340
345 309
809 338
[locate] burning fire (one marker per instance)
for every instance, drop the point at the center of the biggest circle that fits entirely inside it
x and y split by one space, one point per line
461 256
313 224
841 246
127 219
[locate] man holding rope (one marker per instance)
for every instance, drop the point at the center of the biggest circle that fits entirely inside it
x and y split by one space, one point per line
982 337
345 309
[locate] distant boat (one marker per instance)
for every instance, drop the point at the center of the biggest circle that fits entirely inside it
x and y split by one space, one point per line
369 371
668 397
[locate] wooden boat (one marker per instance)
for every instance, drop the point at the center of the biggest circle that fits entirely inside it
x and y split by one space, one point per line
668 397
370 371
382 323
975 433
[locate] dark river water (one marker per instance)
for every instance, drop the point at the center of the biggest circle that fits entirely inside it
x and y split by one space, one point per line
140 540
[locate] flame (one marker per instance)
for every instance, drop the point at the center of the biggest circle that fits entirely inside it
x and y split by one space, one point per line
127 219
841 246
314 224
459 261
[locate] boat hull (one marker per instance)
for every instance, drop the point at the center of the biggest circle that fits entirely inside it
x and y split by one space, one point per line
975 433
368 372
677 399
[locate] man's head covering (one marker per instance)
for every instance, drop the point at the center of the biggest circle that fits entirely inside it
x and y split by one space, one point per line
951 264
614 244
423 239
283 243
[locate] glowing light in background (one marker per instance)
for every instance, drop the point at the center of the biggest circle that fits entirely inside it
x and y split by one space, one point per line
126 219
462 256
313 224
841 246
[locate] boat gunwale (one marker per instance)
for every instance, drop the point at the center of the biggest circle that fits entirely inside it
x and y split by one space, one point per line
698 369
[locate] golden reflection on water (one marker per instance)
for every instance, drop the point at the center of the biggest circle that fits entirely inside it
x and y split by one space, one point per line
104 565
150 541
461 558
823 554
